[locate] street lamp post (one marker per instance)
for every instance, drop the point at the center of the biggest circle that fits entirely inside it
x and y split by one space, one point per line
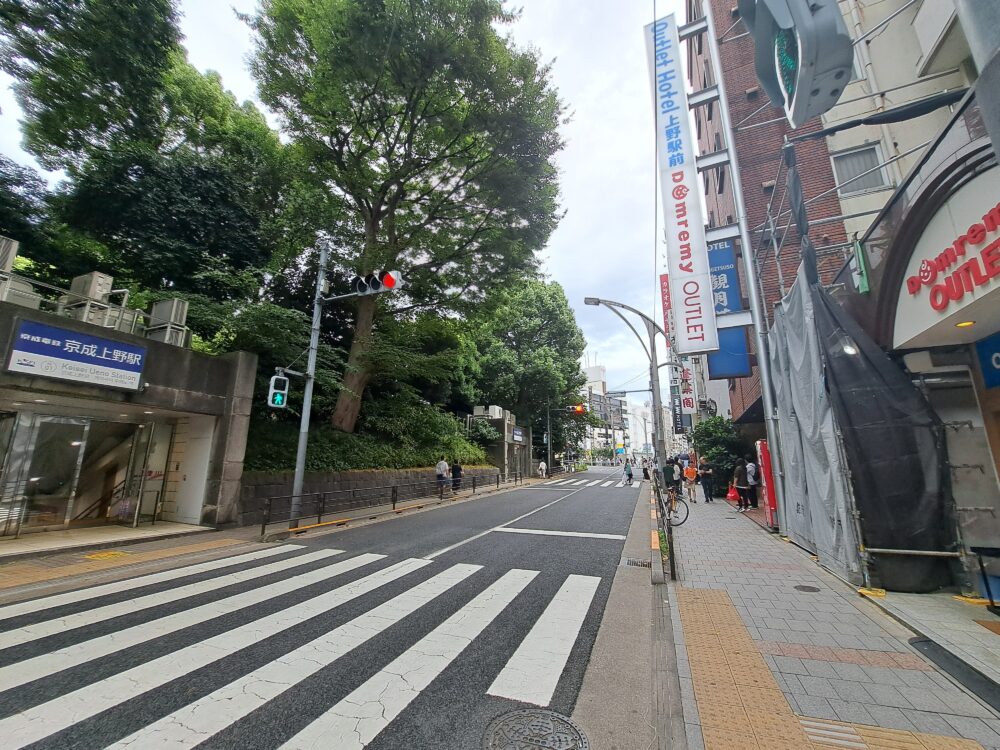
652 329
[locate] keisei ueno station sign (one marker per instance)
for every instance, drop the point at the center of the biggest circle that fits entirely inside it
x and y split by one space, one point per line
685 260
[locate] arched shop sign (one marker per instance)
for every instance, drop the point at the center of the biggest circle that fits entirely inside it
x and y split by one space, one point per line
953 269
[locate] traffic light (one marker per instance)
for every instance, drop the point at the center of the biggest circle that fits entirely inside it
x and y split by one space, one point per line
277 394
577 409
375 283
803 54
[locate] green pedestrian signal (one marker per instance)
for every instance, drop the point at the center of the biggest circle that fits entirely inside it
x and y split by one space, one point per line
277 394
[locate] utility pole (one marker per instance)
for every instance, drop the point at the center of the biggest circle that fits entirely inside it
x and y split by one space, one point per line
548 435
300 453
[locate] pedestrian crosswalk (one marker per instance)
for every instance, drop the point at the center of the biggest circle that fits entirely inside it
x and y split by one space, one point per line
144 644
588 483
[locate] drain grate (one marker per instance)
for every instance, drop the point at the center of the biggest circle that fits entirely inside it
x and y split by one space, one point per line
634 562
531 728
807 589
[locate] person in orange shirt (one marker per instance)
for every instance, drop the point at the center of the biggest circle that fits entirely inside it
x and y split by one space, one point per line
690 481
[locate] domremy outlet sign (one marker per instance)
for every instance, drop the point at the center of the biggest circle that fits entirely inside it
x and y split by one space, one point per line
685 262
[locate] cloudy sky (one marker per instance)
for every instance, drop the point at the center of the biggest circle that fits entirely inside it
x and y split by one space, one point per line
605 244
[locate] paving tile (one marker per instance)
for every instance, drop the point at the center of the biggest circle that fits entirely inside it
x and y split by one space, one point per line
848 690
812 706
818 686
922 699
790 664
851 711
853 672
893 718
819 668
887 695
974 729
931 723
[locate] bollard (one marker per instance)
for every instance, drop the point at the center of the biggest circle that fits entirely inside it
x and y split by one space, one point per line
473 484
395 496
498 480
440 490
322 508
267 516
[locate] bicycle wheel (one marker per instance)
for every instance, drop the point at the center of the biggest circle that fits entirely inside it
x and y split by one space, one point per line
680 513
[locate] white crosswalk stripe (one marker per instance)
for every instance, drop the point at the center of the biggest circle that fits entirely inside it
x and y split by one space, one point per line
60 699
361 716
607 484
190 725
91 616
591 484
35 668
533 671
131 584
55 715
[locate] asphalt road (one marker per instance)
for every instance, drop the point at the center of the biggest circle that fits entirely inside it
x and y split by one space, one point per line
412 633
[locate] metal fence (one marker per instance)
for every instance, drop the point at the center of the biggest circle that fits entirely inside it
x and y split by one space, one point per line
317 506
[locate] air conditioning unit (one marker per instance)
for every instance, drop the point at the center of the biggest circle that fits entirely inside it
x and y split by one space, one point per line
168 334
8 251
173 311
94 285
19 292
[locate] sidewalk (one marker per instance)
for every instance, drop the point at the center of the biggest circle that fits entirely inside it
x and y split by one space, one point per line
775 653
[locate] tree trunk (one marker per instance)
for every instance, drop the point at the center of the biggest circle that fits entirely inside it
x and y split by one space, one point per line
356 375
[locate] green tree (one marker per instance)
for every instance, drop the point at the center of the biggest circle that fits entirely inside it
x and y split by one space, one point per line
88 73
22 204
435 135
718 440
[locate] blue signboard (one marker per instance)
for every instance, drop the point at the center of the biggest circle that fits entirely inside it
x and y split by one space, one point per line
48 352
733 358
725 278
989 359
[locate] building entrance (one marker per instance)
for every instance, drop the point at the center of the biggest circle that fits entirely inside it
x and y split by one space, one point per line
60 471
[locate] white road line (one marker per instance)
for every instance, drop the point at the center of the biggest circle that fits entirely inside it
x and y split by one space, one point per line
127 607
193 724
357 719
607 484
579 482
481 534
591 484
130 584
533 671
545 532
44 665
41 721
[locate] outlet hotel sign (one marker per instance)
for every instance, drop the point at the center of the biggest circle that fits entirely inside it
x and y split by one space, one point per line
46 351
686 258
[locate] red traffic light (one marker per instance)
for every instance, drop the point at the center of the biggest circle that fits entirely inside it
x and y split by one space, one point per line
375 283
577 409
390 279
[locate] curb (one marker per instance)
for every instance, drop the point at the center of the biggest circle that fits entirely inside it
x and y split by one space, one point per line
20 556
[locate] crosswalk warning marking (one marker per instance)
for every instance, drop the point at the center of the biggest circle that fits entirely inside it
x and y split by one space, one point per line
130 606
43 665
131 584
191 725
532 673
40 721
357 719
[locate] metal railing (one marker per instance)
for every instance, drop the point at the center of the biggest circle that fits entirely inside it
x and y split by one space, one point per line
315 506
37 295
664 521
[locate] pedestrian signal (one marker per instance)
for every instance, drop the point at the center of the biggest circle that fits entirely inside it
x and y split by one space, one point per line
277 394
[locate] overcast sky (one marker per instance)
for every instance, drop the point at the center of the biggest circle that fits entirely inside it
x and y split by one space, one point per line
604 246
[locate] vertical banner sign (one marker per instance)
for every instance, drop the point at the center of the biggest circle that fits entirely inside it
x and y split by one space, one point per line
665 299
686 261
725 279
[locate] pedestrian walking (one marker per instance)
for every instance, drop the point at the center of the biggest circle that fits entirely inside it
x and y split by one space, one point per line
628 473
645 468
542 469
705 477
456 476
691 482
753 480
742 486
677 475
442 470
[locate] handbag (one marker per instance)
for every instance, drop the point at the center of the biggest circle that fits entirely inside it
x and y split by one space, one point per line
732 494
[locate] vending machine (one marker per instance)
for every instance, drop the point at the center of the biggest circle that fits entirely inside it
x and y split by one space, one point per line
768 496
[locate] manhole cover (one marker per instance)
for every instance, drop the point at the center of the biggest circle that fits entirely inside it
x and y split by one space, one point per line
807 589
534 728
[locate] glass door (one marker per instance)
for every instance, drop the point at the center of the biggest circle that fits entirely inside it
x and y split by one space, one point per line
9 507
49 470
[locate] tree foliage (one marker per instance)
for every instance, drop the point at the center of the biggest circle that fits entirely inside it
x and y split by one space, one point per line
432 131
89 73
718 440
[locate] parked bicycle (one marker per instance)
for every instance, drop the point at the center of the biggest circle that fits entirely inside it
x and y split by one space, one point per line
675 509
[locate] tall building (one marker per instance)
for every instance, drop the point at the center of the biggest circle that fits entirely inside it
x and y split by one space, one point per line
613 412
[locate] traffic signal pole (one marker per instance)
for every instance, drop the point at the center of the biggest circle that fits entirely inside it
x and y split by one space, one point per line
300 453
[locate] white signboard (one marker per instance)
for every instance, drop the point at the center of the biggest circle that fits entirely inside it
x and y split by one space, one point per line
686 258
954 271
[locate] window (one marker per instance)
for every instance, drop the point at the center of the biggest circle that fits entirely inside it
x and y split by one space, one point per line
721 179
710 106
849 164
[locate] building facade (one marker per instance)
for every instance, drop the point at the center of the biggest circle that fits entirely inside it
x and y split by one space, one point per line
106 416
